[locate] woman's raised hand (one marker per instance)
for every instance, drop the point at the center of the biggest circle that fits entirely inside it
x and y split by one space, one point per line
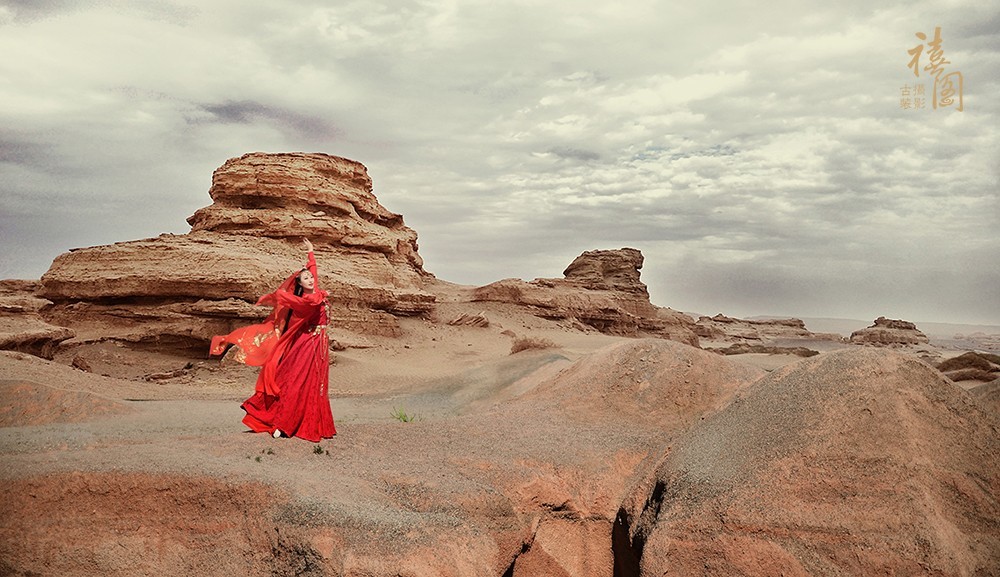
307 244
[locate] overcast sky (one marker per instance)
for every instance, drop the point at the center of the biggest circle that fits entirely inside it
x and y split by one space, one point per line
757 153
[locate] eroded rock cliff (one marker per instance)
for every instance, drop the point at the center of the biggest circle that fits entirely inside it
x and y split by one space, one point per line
189 287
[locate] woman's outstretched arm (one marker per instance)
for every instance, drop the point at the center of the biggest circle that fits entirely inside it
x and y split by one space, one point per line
311 262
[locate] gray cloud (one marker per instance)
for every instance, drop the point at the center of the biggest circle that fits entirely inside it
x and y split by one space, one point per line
300 126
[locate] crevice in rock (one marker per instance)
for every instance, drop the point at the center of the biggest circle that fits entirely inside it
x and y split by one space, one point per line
513 562
626 551
525 547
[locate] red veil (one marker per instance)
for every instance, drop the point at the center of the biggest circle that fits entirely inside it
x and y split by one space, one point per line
262 345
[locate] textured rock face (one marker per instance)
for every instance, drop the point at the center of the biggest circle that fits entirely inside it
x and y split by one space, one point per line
615 270
728 329
199 284
601 289
828 467
890 332
324 198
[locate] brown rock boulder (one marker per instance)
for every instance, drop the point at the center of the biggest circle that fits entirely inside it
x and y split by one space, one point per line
856 462
203 283
601 289
890 333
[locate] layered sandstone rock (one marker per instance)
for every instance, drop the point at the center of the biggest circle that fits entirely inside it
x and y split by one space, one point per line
193 286
21 327
890 332
600 289
613 270
749 331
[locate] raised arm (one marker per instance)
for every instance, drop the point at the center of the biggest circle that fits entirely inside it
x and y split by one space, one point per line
311 262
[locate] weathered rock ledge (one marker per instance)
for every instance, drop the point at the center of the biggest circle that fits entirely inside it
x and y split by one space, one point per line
22 329
600 289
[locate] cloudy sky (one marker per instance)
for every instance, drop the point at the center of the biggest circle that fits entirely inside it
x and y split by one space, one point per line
758 154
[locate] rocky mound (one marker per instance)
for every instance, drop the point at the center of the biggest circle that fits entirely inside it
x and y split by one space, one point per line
600 289
971 366
856 462
748 331
189 287
30 403
988 394
890 333
645 382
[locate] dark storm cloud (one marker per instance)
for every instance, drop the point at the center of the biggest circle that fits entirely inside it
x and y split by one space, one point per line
250 112
575 153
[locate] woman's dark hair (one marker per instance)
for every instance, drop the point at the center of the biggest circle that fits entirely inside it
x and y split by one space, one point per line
299 289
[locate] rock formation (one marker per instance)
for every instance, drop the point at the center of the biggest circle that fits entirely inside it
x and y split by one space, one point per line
971 366
829 466
600 289
890 333
744 331
21 326
610 270
188 287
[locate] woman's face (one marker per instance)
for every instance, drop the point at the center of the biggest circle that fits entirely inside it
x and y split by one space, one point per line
306 280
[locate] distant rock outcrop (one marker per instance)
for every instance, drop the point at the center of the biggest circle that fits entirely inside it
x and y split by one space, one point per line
610 270
189 287
971 366
600 289
745 331
890 333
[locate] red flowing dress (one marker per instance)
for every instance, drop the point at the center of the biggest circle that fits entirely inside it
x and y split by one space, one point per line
292 349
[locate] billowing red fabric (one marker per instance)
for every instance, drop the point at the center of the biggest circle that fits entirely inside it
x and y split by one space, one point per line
292 350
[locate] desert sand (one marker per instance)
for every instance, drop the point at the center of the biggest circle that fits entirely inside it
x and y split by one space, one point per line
616 444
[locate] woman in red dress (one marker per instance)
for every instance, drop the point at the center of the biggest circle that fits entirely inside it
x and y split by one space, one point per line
292 349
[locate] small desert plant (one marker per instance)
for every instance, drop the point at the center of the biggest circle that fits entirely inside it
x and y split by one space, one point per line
401 415
525 343
318 450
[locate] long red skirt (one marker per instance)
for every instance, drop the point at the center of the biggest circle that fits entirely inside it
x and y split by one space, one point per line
302 407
